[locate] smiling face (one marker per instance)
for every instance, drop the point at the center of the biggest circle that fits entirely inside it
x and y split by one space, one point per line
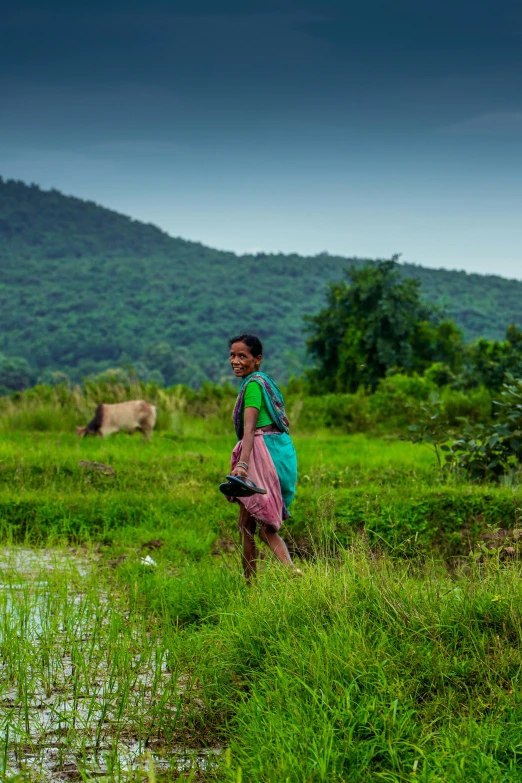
242 361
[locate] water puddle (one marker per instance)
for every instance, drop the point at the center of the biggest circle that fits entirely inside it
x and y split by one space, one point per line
28 563
88 688
110 763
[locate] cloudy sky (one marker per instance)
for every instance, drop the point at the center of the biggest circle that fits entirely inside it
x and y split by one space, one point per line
364 128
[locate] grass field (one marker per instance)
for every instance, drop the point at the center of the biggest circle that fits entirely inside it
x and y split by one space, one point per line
396 657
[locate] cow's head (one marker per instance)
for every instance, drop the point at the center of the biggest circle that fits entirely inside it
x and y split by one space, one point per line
81 431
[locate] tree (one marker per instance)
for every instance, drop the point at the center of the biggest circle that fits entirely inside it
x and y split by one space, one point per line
161 357
15 374
54 378
376 321
486 362
142 373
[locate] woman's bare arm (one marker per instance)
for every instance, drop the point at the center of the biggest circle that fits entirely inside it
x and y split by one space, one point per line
251 415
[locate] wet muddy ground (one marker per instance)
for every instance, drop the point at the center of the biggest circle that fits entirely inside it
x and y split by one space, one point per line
87 688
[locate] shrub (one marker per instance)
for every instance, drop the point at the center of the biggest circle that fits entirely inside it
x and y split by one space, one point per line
475 405
349 412
481 450
494 450
398 399
399 386
439 374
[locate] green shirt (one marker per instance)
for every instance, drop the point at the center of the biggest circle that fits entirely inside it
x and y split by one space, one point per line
254 399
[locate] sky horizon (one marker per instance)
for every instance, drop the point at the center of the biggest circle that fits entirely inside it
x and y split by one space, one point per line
289 126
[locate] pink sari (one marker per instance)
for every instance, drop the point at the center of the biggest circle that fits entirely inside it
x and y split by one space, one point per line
261 469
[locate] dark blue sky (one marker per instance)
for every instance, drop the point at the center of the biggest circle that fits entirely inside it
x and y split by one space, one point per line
358 128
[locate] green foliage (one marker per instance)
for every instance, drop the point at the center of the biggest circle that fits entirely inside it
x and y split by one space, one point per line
486 362
345 671
375 322
440 374
162 358
394 405
15 374
348 672
438 417
141 372
399 389
62 406
481 449
167 489
346 412
84 289
53 378
474 405
431 427
492 450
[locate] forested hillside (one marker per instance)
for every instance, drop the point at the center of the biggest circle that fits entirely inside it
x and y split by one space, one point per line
83 288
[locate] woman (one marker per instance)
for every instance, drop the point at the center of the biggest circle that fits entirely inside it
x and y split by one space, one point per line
265 453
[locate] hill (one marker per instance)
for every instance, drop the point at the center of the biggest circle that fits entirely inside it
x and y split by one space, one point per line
83 288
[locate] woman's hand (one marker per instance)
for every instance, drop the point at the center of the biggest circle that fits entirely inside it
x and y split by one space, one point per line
240 472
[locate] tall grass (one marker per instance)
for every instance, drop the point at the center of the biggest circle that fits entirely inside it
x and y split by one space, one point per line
379 664
181 410
368 668
61 408
168 489
88 683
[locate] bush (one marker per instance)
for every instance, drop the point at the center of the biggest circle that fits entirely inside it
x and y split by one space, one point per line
494 450
401 387
348 412
439 374
481 450
475 405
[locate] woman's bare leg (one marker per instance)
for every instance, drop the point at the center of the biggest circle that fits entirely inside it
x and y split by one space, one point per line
247 529
276 544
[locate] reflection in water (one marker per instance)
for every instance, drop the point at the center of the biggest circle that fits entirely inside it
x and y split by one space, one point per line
86 685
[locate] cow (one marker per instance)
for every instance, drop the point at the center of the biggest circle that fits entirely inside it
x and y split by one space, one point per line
128 417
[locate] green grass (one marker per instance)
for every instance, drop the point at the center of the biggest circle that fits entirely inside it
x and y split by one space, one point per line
365 671
379 664
390 488
88 681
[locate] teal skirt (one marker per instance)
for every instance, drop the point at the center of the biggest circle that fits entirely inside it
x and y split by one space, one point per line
282 451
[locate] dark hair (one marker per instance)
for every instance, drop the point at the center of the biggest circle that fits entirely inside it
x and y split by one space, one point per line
252 340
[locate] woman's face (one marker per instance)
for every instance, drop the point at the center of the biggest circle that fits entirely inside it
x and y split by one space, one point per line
242 361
